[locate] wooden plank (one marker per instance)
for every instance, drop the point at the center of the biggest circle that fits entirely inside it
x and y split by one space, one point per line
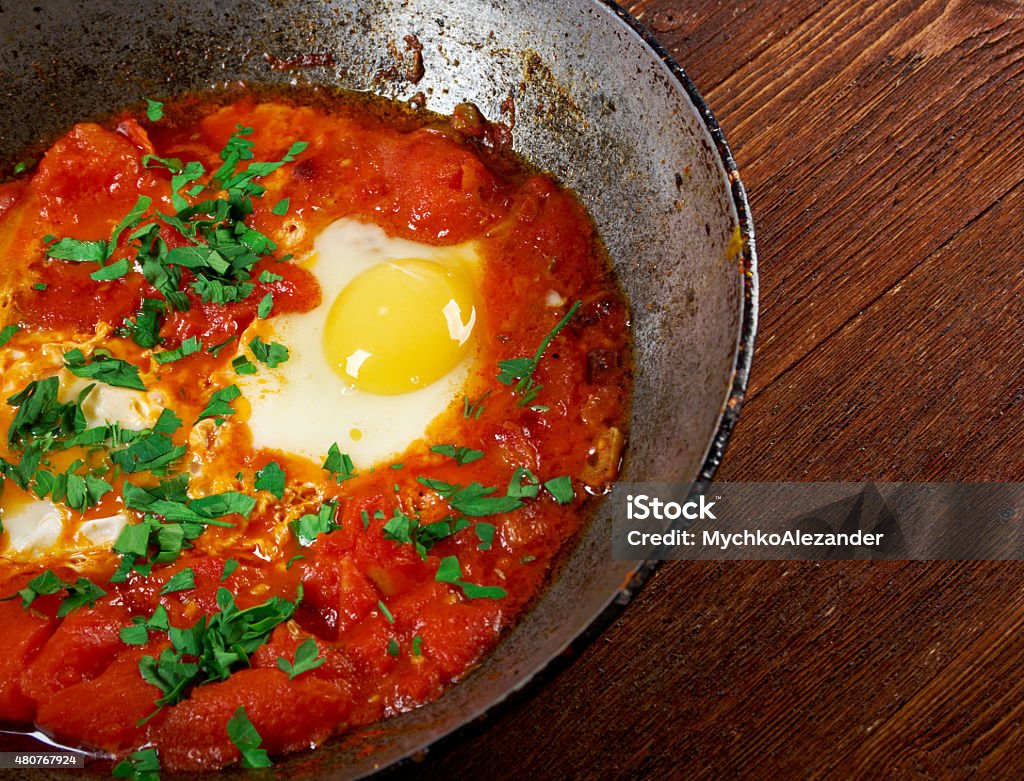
856 135
712 39
939 364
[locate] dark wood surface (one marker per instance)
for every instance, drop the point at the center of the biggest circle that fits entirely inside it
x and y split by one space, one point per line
881 147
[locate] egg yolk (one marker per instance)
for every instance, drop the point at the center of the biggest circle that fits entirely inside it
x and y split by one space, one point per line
400 326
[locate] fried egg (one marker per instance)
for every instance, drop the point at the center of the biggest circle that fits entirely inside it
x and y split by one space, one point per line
387 350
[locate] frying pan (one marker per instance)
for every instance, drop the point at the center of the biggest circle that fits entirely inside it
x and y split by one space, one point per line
597 103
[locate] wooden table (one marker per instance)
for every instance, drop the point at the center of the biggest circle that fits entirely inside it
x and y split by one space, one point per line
881 145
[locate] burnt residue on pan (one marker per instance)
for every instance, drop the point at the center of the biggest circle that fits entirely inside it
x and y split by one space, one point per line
595 102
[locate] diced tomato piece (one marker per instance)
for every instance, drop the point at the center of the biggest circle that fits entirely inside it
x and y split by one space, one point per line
88 181
81 648
24 632
336 595
288 715
104 711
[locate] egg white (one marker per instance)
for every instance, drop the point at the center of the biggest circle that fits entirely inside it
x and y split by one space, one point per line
303 406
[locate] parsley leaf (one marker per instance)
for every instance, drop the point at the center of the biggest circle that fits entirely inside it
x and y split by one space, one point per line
215 350
485 533
281 207
265 307
462 455
184 580
272 354
230 565
79 251
310 526
138 632
188 347
450 571
41 415
524 484
141 765
339 464
115 270
519 371
405 530
103 368
306 659
271 478
247 740
561 489
144 330
474 499
154 110
7 332
219 404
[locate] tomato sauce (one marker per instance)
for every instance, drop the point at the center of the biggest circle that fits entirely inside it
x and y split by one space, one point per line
389 634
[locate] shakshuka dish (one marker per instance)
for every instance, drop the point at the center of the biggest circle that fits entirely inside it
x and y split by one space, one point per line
301 397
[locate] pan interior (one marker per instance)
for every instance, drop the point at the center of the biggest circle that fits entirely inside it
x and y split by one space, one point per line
593 104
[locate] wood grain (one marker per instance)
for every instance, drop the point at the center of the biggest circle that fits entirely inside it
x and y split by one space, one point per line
881 143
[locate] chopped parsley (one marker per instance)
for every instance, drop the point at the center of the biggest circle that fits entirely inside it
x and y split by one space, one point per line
243 365
484 533
450 571
339 464
473 500
272 354
561 489
103 367
143 765
265 307
393 647
154 110
271 478
474 409
189 346
221 250
219 406
310 526
185 580
405 530
281 207
307 657
170 521
80 593
214 647
519 371
138 632
247 740
7 332
417 645
462 455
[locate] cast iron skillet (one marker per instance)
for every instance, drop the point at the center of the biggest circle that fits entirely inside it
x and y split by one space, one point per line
597 102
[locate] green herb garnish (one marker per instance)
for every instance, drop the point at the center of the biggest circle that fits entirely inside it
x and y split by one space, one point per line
306 658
